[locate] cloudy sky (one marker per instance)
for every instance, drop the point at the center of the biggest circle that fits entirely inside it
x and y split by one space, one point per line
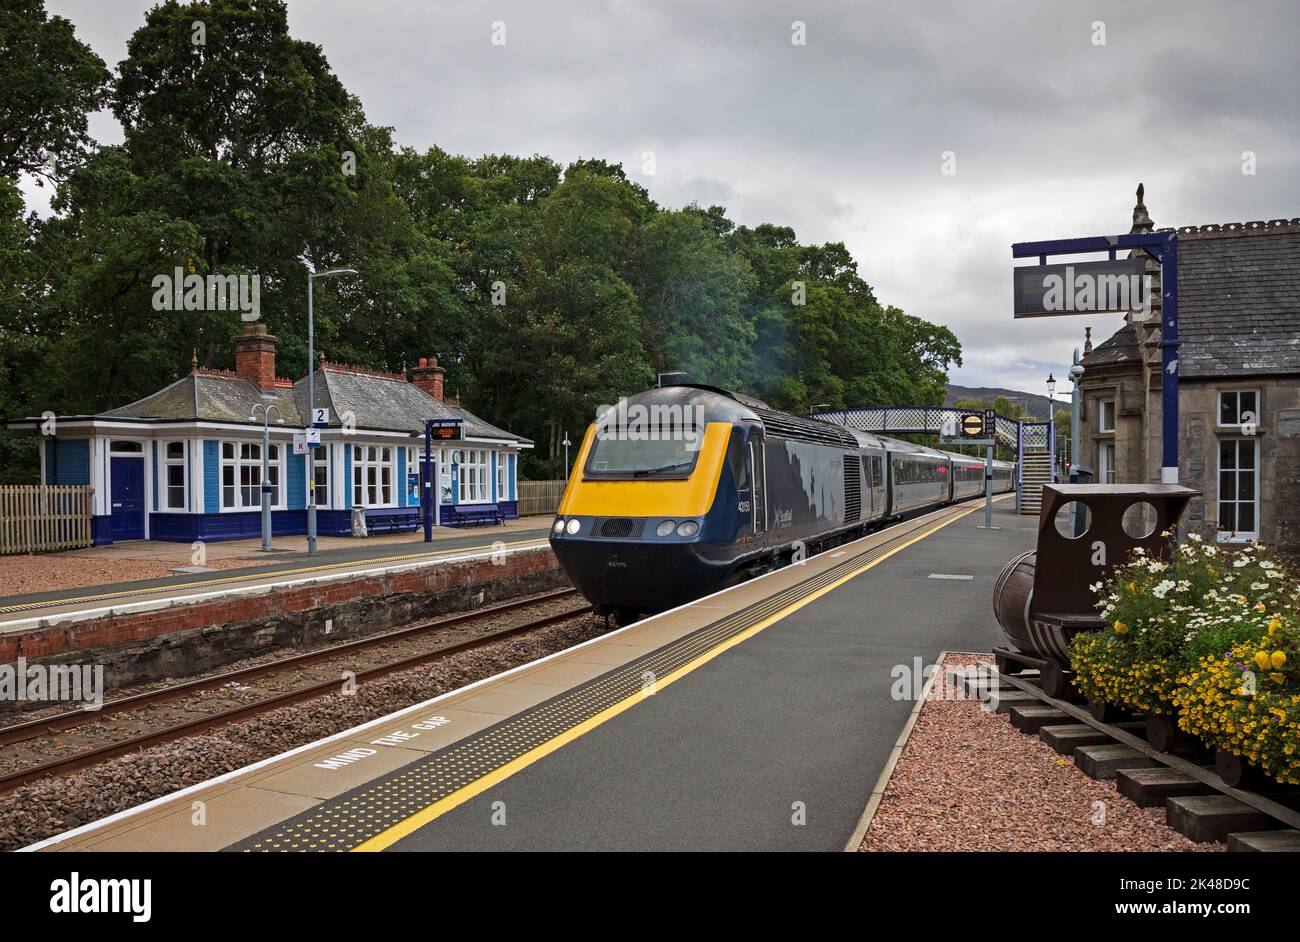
844 137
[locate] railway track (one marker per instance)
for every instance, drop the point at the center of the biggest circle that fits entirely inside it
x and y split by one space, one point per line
1151 763
71 719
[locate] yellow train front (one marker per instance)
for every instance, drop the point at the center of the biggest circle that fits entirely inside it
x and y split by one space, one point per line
681 491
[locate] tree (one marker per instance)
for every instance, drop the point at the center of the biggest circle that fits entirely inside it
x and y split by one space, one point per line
51 81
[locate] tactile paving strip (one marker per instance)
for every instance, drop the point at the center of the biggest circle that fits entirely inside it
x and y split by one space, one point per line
345 822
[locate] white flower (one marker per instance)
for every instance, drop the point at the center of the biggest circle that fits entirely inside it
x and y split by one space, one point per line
1256 586
1161 590
1194 537
1241 562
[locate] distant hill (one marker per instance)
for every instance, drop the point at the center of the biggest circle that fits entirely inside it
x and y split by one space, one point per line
1037 406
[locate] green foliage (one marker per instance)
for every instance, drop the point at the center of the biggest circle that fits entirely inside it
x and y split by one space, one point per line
544 291
50 81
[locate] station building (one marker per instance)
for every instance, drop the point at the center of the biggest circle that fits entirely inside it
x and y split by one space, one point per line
185 463
1239 383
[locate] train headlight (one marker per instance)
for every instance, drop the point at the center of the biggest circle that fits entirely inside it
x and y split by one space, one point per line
665 528
573 526
559 525
688 528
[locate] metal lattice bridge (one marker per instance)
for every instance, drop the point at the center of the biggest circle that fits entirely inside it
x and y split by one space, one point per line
1034 442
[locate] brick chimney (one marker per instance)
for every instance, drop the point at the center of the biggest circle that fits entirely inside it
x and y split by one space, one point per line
429 376
255 356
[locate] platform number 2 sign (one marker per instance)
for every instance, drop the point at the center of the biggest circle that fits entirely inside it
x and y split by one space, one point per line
320 416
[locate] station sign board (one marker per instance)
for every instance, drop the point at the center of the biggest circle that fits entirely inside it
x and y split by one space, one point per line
445 430
1081 288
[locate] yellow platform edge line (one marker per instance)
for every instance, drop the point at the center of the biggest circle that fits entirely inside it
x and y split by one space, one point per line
252 576
392 835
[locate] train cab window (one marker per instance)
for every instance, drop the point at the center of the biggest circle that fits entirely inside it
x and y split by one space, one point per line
736 460
644 453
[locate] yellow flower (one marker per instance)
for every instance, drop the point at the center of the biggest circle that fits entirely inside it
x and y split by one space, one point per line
1279 713
1120 628
1259 606
1263 660
1277 678
1132 587
1274 625
1278 659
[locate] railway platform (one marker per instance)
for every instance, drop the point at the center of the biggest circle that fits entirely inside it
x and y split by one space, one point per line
362 557
757 718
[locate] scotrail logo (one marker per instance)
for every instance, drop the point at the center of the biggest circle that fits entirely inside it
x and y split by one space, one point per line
191 292
78 895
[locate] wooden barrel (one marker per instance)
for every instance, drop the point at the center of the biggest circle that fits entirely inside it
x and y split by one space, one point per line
1012 593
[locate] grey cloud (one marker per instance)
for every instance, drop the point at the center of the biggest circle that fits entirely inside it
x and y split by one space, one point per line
842 138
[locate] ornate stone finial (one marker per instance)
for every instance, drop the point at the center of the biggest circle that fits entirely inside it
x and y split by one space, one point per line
194 359
1141 219
1087 340
321 359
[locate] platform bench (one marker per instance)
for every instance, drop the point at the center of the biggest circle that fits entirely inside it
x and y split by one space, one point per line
379 521
472 516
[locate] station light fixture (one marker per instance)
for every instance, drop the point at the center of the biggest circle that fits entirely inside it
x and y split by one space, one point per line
1051 387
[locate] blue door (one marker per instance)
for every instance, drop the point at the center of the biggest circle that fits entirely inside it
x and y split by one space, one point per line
127 506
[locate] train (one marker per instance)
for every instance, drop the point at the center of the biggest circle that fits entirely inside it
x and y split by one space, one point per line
683 490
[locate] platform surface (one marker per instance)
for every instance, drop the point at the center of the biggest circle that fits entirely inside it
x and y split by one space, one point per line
18 612
756 719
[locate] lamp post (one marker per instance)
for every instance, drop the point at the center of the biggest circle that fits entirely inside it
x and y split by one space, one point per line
1051 416
566 457
311 401
265 493
1076 373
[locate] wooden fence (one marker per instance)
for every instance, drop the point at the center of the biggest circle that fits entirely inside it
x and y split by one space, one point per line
539 497
37 518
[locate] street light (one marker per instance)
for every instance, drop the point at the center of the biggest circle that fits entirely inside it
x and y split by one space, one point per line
311 401
266 467
1051 413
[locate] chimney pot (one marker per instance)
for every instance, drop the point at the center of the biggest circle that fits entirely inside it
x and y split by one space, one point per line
429 376
255 356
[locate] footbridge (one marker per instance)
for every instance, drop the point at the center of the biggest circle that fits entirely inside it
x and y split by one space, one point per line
1034 442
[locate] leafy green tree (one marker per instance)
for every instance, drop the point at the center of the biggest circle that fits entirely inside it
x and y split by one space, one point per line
51 81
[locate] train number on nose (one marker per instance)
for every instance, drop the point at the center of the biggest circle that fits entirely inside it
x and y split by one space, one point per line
743 506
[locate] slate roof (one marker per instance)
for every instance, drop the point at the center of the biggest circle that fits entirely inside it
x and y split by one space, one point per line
378 402
1119 347
390 403
209 396
1239 300
1238 303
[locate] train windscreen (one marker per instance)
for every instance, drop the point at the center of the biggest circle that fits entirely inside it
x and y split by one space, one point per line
615 454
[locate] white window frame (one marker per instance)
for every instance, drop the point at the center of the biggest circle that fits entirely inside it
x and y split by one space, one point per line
240 461
165 464
472 477
1218 407
1101 415
382 460
1237 536
1106 462
314 465
503 479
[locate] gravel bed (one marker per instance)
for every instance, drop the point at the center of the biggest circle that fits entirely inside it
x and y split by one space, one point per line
52 805
968 780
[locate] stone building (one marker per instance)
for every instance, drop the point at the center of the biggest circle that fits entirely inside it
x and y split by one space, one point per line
1239 382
